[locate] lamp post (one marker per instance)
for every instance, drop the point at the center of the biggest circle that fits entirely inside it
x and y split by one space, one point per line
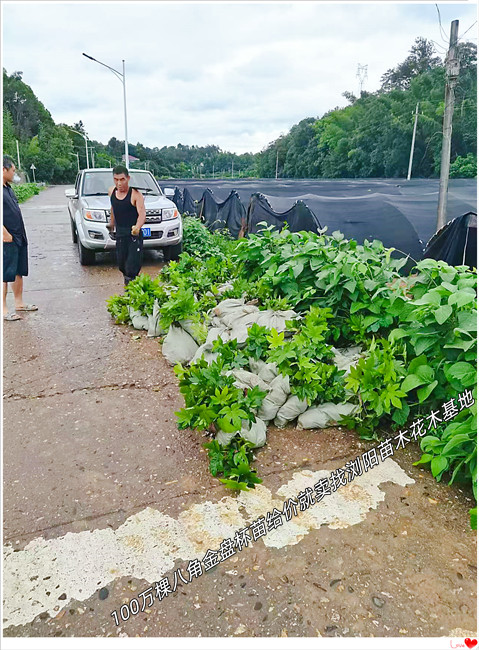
122 78
86 144
78 159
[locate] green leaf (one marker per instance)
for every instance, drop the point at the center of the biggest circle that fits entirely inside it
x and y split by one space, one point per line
234 485
461 298
424 392
425 458
226 425
411 381
397 334
426 373
356 306
443 313
298 269
429 298
463 372
467 320
459 439
438 465
418 361
473 518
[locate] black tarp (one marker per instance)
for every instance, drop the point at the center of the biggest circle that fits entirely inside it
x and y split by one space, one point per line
178 199
298 216
217 215
396 211
456 243
366 217
189 205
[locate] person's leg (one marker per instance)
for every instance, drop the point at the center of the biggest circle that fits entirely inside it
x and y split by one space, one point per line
5 289
135 257
17 287
122 254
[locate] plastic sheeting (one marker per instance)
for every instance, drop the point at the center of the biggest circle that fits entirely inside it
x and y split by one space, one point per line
456 243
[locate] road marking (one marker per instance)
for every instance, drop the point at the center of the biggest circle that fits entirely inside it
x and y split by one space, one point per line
149 543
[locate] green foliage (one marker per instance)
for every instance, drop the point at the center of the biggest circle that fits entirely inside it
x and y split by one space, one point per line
305 268
371 137
464 167
142 292
376 380
233 461
179 306
118 308
306 358
212 402
453 449
200 243
25 191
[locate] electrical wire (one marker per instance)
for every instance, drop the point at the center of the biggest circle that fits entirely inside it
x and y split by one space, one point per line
440 25
475 23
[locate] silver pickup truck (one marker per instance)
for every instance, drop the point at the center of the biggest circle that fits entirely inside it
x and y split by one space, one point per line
89 208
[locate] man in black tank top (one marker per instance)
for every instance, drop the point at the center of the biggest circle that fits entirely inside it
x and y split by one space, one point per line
127 216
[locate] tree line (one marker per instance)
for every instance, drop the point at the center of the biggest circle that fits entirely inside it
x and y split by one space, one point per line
369 138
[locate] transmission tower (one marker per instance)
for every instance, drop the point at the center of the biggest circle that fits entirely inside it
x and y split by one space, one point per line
362 75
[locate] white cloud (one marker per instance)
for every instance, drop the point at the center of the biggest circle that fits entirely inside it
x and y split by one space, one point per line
235 75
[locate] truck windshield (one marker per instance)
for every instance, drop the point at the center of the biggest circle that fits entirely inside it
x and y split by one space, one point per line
98 183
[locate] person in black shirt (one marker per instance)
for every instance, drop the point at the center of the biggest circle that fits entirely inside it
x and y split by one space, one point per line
15 245
127 216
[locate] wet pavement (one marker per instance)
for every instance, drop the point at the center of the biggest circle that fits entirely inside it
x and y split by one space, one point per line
103 495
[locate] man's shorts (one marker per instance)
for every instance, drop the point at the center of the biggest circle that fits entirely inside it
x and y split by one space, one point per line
15 261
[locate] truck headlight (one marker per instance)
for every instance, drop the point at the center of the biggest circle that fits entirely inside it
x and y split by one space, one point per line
169 213
95 215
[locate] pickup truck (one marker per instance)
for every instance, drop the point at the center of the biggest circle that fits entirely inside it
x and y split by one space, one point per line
89 209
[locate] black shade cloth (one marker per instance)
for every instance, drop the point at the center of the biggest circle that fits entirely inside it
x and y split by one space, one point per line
402 214
189 206
218 215
178 199
456 243
298 217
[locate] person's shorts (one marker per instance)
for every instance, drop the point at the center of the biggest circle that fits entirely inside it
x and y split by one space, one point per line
15 261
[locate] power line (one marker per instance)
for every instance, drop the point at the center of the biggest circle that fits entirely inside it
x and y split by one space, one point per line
443 33
474 23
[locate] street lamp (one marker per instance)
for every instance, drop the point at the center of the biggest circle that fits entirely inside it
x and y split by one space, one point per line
86 144
78 159
122 78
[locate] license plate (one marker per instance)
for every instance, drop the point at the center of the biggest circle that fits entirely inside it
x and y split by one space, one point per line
146 232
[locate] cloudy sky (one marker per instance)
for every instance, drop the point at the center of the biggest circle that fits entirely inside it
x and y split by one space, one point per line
232 74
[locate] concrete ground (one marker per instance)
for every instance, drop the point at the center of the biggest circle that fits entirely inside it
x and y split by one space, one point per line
103 496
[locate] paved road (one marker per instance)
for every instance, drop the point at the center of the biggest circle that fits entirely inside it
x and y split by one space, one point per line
103 496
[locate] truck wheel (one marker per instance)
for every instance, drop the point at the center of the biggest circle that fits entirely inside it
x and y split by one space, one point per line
172 253
74 232
86 255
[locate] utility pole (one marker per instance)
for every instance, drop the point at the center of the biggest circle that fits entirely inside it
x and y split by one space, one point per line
232 163
277 159
18 156
213 172
412 143
452 72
